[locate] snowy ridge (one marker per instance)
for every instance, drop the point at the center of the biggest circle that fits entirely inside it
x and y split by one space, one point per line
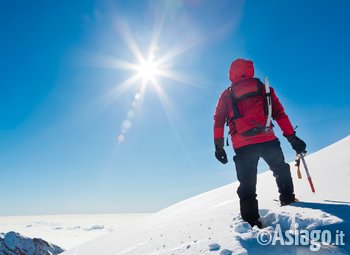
210 223
13 243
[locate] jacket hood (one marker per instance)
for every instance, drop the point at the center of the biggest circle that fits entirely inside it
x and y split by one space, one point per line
241 69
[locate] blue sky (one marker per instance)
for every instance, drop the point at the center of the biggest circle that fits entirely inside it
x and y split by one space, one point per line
62 108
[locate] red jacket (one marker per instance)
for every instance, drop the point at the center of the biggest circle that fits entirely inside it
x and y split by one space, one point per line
243 69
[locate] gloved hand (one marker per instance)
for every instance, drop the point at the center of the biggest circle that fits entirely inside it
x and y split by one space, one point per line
297 144
220 152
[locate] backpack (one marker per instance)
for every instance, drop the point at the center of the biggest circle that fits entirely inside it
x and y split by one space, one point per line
250 109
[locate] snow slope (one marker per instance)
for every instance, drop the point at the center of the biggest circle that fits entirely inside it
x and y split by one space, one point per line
210 224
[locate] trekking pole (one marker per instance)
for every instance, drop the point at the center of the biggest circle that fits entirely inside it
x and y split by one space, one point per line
297 164
301 155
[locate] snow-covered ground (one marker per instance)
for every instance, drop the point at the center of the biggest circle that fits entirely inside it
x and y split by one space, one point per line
210 224
67 231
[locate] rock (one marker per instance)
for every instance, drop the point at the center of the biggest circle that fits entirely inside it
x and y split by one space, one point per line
13 243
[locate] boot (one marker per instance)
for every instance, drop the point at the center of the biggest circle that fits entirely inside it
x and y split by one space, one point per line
256 223
249 210
287 199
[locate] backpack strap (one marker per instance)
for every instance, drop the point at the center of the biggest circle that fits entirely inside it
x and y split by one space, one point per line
236 113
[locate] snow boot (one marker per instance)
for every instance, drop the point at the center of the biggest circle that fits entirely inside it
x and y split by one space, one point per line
256 223
287 199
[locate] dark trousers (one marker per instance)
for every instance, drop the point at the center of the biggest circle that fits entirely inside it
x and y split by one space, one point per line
246 161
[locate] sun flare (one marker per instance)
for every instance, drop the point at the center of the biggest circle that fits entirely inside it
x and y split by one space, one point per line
148 70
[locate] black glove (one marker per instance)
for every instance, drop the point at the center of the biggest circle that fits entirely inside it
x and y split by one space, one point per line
298 145
220 153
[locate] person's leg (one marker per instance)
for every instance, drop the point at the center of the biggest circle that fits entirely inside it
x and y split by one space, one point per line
246 161
272 153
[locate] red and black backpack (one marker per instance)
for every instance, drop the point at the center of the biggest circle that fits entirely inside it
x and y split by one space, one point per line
249 105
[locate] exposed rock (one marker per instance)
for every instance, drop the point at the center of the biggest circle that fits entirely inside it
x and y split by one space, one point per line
14 243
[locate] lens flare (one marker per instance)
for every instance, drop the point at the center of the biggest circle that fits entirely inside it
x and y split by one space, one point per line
155 52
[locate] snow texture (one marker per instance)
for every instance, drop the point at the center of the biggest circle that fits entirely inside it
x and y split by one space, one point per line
210 222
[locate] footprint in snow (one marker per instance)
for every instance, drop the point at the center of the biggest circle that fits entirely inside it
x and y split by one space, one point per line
237 217
226 252
242 227
214 247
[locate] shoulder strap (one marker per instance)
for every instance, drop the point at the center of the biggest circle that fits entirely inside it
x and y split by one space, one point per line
236 113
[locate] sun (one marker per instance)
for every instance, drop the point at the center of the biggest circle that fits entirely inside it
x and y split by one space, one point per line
148 70
152 68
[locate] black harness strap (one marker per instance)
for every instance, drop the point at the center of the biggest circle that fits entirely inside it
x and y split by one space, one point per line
236 113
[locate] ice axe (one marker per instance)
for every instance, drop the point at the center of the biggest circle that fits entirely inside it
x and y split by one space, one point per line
297 164
301 157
